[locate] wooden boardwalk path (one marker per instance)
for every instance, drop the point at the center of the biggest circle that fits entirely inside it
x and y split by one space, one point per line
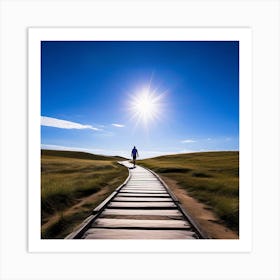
142 208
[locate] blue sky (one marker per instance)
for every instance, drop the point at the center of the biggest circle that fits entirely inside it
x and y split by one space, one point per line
162 97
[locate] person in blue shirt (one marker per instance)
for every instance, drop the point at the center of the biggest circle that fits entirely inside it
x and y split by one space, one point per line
134 154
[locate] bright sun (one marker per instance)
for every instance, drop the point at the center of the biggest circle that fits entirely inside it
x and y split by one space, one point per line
146 106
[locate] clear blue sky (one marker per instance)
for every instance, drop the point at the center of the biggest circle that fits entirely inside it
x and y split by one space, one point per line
162 97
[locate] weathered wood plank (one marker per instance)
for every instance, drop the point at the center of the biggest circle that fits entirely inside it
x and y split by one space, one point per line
142 217
127 194
137 183
139 205
141 212
98 233
145 199
143 177
143 182
130 223
144 191
143 186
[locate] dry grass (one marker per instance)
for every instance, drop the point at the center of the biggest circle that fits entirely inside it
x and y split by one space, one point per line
72 186
212 178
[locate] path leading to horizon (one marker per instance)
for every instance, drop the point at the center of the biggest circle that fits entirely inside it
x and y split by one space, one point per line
143 208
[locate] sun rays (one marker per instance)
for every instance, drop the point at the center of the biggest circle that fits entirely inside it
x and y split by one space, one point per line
146 106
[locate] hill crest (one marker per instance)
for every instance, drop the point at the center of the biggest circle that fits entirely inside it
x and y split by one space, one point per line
78 155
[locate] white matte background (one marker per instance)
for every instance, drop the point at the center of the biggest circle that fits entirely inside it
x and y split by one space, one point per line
243 35
262 17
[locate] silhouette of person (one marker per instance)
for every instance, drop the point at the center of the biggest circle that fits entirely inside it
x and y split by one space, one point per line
134 154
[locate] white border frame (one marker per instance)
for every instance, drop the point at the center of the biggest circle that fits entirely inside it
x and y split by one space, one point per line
262 16
243 35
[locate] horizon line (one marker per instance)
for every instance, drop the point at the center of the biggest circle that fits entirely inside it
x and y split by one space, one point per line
116 155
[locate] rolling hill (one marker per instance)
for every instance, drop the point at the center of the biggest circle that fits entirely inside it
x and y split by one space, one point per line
72 184
79 155
210 177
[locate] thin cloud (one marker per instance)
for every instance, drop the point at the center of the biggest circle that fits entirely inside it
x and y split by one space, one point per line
118 125
99 151
66 148
186 151
58 123
188 141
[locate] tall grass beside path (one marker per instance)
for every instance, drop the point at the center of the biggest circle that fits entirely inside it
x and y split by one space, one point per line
210 177
67 182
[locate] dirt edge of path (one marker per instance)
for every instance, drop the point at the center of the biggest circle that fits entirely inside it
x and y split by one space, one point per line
206 219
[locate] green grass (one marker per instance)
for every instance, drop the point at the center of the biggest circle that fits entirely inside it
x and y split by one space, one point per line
211 177
79 155
67 178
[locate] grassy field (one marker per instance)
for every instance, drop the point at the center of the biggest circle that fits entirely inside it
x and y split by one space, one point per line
73 184
211 177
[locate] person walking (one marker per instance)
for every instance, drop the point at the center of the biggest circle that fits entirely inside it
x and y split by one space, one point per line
134 154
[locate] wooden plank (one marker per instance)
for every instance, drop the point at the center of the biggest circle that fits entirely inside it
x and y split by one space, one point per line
146 199
143 217
78 233
98 233
145 212
144 191
127 194
147 175
143 185
135 182
104 202
142 174
139 205
142 179
130 223
132 182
